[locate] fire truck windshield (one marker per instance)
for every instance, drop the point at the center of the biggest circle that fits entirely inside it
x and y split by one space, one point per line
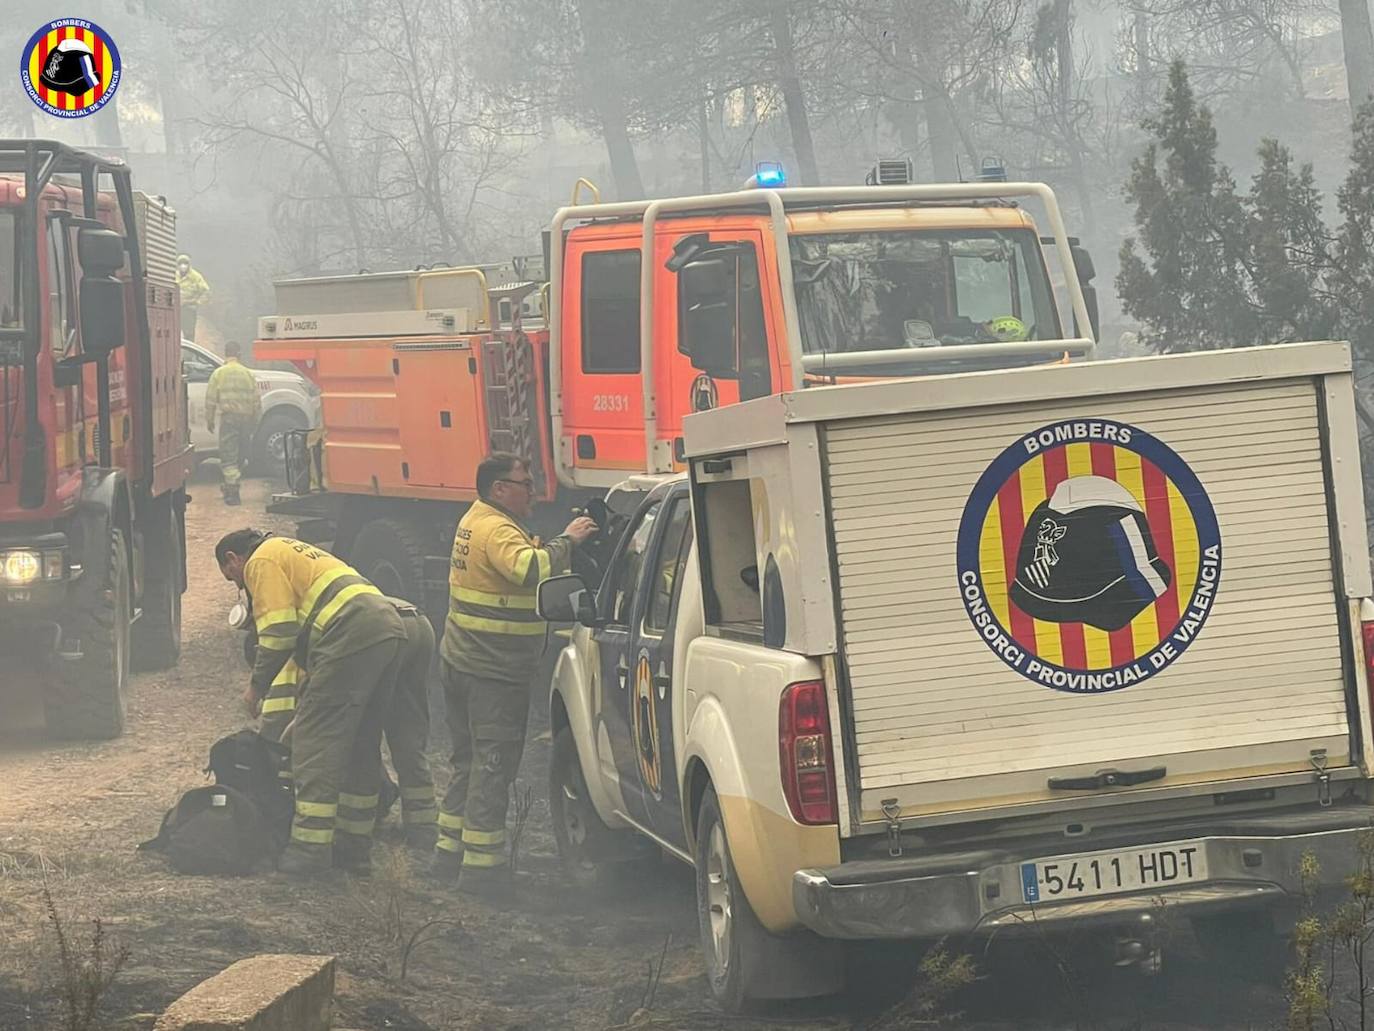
892 289
10 309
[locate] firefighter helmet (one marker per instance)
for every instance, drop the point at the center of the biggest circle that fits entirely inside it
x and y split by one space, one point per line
70 68
1087 556
1007 329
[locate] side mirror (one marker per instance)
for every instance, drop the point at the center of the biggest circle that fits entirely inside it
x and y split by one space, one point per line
1094 316
194 372
1083 263
565 599
102 315
101 251
709 315
1087 272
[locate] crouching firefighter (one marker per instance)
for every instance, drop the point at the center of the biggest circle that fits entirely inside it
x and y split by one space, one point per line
406 729
310 606
491 651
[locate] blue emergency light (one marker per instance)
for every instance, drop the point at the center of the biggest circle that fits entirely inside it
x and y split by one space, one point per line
768 175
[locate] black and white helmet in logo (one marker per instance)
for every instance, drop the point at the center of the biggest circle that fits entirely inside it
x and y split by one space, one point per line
1087 556
70 68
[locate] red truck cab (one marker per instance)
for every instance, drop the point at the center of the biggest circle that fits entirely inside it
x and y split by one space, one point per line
95 451
664 308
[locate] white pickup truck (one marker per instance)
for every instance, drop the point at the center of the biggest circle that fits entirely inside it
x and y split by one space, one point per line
289 402
972 653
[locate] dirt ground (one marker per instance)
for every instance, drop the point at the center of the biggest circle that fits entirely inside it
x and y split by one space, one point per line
71 816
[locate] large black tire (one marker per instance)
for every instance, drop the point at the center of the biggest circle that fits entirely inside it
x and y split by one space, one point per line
391 553
157 634
745 963
88 699
594 857
269 442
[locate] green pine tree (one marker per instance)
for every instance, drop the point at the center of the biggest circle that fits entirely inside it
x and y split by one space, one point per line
1289 247
1352 275
1186 279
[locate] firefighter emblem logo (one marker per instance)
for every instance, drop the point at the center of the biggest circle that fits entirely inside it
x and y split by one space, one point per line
70 68
645 727
1089 556
704 394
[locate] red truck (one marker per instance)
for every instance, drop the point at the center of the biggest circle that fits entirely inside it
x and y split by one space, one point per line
94 447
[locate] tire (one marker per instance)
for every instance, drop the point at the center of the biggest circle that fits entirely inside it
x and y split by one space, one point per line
269 442
1244 945
745 963
157 634
88 698
594 857
391 554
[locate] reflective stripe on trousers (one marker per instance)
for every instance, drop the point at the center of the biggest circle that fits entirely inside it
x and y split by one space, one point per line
450 832
484 848
418 806
357 814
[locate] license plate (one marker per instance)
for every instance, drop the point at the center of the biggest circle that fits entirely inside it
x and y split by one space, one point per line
1110 873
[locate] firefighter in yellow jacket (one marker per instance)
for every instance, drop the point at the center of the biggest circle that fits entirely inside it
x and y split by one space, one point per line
492 645
406 729
195 291
310 606
232 395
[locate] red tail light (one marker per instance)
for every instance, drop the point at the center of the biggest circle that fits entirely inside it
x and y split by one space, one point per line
804 749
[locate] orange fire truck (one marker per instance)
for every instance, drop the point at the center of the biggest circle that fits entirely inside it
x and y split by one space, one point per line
654 310
95 451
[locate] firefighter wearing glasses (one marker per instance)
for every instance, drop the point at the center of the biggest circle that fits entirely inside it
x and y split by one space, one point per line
310 606
492 646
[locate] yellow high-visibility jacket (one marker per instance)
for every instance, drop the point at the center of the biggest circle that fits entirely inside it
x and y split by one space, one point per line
233 391
309 604
492 629
194 288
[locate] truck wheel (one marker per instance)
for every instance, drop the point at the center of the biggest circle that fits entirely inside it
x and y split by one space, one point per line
594 856
157 634
89 698
391 553
745 963
269 443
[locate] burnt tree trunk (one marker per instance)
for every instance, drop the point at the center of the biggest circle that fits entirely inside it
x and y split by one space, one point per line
1358 40
793 98
606 99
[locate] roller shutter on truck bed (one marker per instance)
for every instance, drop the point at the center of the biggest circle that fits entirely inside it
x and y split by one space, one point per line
1217 650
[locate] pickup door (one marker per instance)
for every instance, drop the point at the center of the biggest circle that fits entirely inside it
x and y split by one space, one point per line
639 600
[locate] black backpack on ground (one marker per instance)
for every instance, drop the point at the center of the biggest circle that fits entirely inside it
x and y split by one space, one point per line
254 766
215 830
240 823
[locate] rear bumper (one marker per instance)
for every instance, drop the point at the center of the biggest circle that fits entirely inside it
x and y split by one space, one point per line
933 896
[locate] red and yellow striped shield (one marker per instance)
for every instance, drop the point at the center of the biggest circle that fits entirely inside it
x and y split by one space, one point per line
70 68
1176 541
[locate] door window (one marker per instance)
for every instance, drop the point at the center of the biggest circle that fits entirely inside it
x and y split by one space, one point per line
610 312
668 563
61 292
198 367
622 584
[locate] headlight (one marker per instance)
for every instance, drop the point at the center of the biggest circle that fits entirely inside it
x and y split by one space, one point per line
23 566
